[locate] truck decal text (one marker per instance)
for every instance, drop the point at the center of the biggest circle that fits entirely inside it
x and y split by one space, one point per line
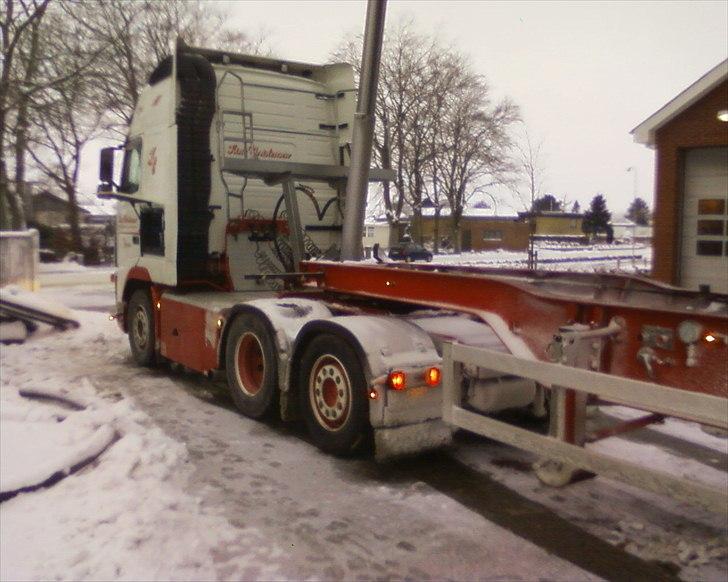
253 151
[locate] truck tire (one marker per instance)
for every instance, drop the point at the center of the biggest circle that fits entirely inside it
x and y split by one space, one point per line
332 392
140 327
252 367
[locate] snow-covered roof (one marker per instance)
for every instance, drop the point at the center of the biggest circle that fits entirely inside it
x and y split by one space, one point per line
500 212
552 213
644 133
99 209
623 222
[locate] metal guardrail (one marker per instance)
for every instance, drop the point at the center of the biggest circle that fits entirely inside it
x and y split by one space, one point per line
571 456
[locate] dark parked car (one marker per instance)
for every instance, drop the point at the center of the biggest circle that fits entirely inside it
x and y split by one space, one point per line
409 252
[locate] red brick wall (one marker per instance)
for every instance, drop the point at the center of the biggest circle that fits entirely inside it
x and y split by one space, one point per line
697 126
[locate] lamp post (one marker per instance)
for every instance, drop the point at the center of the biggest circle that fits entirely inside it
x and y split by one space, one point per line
633 170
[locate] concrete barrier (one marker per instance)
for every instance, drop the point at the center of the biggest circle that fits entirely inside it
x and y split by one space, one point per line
19 258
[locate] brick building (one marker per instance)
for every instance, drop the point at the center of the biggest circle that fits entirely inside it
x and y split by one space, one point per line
690 136
480 229
483 230
554 225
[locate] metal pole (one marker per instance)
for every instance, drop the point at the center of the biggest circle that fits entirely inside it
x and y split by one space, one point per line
363 132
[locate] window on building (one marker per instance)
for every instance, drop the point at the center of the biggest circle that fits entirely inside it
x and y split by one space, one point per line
710 248
710 227
714 229
711 206
491 234
369 232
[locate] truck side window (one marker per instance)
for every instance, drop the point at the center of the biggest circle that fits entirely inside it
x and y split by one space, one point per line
132 170
151 231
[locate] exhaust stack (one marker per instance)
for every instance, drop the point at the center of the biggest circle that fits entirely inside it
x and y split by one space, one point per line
363 132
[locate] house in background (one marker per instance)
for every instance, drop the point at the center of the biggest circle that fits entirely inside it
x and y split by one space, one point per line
379 231
46 209
690 136
480 229
484 229
626 230
556 226
49 214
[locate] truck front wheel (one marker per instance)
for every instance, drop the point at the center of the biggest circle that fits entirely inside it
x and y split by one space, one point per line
251 366
332 391
140 327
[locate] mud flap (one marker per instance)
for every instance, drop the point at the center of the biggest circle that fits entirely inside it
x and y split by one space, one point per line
409 439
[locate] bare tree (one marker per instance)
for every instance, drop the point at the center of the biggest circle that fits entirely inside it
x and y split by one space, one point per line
446 80
435 126
69 64
135 36
529 183
476 145
402 121
68 113
19 24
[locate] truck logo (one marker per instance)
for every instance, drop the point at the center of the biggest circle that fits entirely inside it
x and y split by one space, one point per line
255 152
152 161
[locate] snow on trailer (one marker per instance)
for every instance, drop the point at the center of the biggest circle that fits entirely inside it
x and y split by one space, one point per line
232 203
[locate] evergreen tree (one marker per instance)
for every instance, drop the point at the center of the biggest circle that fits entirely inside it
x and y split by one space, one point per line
597 218
639 212
576 208
546 203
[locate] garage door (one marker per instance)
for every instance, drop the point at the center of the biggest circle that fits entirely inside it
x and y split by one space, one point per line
704 253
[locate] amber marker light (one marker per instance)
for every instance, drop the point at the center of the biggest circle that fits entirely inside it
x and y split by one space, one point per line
219 323
373 394
396 380
433 376
159 305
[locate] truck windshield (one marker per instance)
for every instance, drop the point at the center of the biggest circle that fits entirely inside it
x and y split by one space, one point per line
131 172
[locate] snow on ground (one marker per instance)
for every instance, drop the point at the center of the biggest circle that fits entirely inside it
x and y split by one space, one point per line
128 516
33 301
622 258
70 273
217 496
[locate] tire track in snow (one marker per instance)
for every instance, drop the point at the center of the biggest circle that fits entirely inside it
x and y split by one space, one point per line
526 518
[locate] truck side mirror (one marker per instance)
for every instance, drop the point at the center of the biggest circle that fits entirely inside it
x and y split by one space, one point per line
106 167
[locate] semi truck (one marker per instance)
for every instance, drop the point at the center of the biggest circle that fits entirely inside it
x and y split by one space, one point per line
232 198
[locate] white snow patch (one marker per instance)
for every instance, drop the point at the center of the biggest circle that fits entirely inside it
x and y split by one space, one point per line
126 517
686 430
30 300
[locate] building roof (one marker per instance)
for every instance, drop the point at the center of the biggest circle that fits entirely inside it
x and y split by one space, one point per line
551 214
502 211
644 133
55 199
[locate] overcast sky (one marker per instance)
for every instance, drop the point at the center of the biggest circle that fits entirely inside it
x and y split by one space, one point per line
583 73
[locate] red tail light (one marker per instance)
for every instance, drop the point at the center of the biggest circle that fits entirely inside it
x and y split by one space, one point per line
396 380
433 376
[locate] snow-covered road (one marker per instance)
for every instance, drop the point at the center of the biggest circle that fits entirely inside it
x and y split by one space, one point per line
193 490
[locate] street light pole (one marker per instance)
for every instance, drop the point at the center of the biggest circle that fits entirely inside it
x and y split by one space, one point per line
633 169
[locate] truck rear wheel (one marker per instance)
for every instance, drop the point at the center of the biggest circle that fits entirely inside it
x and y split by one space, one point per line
140 327
332 392
251 366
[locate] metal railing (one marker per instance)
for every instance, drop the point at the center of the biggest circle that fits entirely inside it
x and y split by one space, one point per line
563 449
